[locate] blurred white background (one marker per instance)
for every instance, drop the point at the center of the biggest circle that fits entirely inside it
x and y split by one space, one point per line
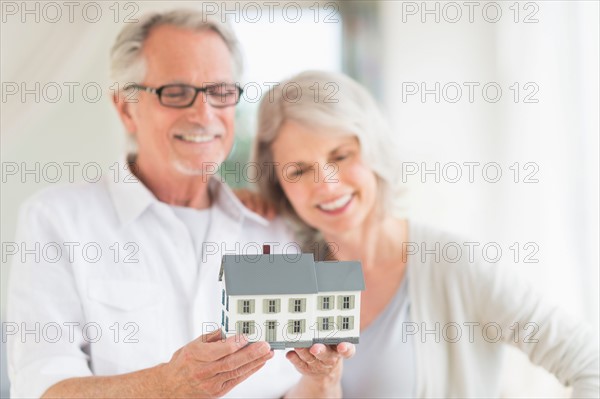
542 55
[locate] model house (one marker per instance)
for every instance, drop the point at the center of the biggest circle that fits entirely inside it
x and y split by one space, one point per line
290 301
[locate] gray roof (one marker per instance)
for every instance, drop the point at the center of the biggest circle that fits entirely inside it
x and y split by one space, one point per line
270 274
340 276
288 274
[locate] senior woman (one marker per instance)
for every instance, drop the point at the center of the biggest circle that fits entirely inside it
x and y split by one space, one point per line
425 322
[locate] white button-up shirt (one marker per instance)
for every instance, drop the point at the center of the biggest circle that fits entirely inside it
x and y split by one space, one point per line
107 281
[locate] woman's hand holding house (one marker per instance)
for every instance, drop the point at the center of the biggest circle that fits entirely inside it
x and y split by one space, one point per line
321 364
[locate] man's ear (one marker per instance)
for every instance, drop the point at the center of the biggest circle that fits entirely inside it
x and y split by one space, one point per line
124 108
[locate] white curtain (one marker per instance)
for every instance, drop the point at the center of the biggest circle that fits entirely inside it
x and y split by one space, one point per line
553 140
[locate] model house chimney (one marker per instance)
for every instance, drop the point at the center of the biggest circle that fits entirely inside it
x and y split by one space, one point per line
266 249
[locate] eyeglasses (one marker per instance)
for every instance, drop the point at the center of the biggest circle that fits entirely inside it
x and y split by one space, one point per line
219 95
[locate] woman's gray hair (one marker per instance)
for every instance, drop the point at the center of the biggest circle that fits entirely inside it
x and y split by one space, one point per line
329 100
129 66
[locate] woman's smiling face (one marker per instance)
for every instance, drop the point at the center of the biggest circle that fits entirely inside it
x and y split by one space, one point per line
322 173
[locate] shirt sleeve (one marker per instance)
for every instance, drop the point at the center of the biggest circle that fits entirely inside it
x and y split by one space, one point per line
548 335
45 322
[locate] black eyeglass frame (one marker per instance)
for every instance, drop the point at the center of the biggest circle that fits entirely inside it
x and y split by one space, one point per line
205 89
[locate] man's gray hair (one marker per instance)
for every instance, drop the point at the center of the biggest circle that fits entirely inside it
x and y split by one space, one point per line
129 66
338 103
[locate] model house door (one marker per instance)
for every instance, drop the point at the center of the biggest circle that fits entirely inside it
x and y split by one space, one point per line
271 331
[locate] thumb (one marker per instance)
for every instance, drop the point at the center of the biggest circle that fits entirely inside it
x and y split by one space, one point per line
213 336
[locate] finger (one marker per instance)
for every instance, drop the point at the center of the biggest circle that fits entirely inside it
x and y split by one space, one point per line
300 364
271 213
230 384
346 349
245 197
242 357
318 350
325 354
243 370
216 349
239 194
264 209
213 336
306 356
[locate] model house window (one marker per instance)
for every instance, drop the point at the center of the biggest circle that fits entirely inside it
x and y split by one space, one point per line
272 306
226 323
297 305
346 322
325 323
227 306
346 302
223 297
222 317
246 327
326 302
296 326
246 306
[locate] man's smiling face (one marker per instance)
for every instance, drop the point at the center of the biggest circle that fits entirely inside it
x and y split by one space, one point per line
183 141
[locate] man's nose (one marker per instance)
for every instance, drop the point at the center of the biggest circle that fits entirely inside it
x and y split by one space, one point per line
201 109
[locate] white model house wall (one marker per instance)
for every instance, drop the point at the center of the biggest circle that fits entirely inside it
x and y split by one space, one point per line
314 322
346 321
284 317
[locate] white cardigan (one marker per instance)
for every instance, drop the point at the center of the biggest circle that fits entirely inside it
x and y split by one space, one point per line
479 300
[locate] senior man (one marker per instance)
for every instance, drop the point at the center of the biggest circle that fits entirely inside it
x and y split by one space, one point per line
129 323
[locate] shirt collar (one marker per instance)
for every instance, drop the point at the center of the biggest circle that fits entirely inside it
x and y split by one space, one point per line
131 197
224 198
